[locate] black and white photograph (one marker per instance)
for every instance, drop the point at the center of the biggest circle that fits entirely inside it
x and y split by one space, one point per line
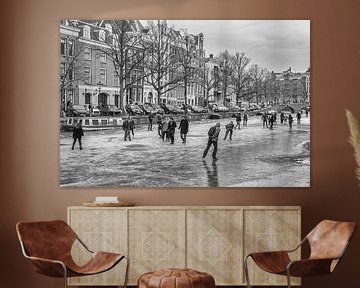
184 103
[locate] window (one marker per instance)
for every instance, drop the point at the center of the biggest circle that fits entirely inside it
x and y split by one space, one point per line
103 57
63 46
87 74
103 76
87 53
86 32
116 80
71 48
71 95
102 35
88 98
63 70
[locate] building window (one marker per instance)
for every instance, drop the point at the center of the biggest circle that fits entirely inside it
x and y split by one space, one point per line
116 80
102 35
87 53
88 98
63 46
63 70
103 57
71 47
86 32
87 74
71 96
103 76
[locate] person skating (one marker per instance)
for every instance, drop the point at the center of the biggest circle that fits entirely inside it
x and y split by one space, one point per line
160 125
150 121
291 120
245 119
171 130
298 117
264 119
184 128
238 121
282 117
77 134
126 128
213 134
132 126
165 126
271 121
229 129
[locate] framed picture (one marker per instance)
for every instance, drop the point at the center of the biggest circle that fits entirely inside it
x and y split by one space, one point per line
185 103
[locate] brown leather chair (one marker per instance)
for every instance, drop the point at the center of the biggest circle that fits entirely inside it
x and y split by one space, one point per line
48 245
328 242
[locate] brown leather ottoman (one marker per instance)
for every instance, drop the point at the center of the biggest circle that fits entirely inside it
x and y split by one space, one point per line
176 278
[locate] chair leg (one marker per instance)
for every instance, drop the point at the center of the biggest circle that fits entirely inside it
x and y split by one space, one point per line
65 276
288 278
246 272
126 271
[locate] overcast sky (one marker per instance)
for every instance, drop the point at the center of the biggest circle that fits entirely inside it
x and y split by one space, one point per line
274 44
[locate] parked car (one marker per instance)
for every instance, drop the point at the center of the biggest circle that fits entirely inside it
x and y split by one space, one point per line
235 108
95 111
147 108
170 109
80 111
133 109
156 107
221 108
114 110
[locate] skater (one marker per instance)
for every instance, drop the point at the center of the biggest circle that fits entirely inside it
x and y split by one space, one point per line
298 117
282 117
213 134
171 129
150 121
291 120
245 119
132 126
264 119
126 128
271 121
184 128
238 121
229 129
77 134
164 133
160 125
307 113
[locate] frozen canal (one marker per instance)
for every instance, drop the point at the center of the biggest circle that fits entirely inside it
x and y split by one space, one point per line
255 157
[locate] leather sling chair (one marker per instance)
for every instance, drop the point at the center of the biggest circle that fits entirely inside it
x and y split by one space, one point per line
328 242
48 245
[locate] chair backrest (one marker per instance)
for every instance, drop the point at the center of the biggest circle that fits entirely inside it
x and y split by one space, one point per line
329 239
46 239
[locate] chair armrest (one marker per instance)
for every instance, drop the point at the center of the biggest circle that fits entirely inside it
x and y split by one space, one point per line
309 267
48 267
84 245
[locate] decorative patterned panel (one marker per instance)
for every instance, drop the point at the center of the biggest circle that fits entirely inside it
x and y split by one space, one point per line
214 242
270 230
156 240
101 230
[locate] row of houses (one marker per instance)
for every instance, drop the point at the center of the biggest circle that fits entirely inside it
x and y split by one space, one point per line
91 57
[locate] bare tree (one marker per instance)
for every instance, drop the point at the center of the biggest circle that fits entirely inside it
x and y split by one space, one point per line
240 75
207 80
225 73
257 76
161 63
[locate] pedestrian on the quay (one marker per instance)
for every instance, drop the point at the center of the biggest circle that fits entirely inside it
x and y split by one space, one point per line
160 125
213 134
165 126
184 128
264 119
151 116
132 126
90 109
126 128
77 134
171 130
245 119
238 121
229 129
291 120
298 117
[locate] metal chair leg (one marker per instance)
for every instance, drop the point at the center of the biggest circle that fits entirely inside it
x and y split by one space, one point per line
246 272
288 278
126 271
65 275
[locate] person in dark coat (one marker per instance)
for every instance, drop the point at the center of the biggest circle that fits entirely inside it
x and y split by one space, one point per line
132 126
77 134
213 134
184 128
160 125
264 119
126 128
298 117
171 129
245 119
150 117
291 120
238 121
229 129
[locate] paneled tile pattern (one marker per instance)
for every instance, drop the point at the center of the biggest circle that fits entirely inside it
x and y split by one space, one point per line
157 241
101 230
214 241
270 230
